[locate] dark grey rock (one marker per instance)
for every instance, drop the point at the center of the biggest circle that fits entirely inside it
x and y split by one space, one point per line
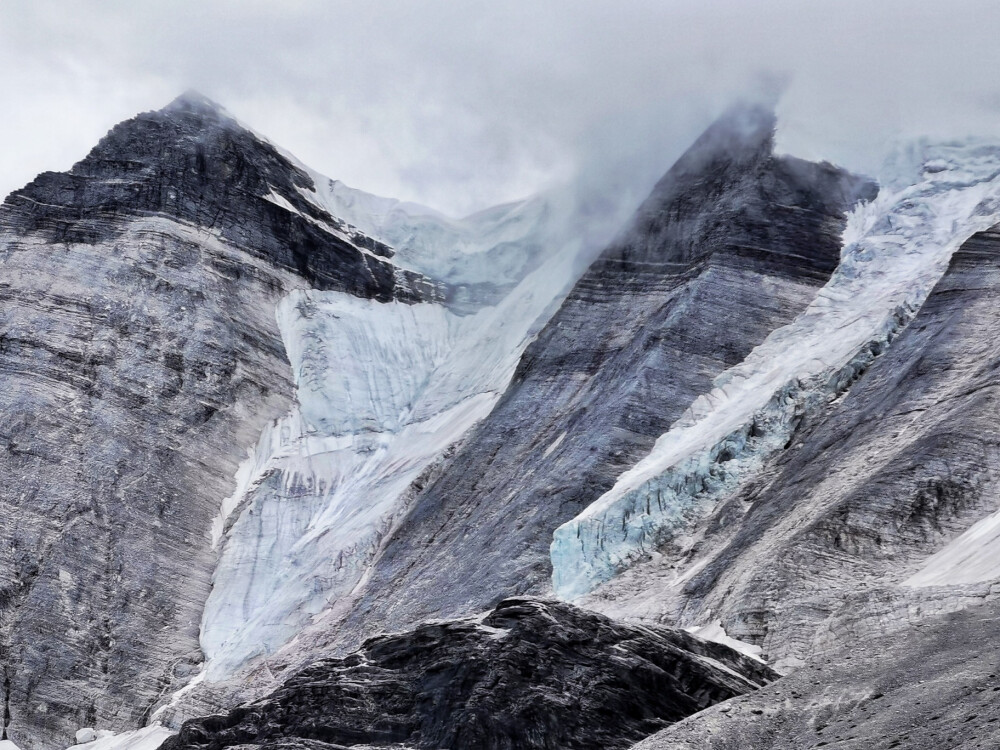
530 674
194 163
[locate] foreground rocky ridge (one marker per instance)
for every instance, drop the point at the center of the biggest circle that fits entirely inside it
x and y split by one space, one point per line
529 674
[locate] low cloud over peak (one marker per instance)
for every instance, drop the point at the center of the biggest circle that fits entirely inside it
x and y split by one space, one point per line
460 106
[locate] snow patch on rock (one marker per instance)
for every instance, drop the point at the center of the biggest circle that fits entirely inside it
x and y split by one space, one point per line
716 633
147 738
972 557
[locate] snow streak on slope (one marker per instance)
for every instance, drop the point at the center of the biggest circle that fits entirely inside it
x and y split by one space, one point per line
972 557
895 250
147 738
383 390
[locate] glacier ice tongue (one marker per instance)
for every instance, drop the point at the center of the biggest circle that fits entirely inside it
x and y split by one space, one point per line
383 389
895 250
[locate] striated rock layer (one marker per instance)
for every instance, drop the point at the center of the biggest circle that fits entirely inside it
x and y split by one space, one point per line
733 242
140 358
933 684
529 674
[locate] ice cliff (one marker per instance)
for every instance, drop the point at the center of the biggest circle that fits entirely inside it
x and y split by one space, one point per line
383 389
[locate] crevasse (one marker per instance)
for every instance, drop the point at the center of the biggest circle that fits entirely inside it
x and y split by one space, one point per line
895 249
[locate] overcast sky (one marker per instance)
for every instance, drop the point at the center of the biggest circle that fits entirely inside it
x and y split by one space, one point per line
460 104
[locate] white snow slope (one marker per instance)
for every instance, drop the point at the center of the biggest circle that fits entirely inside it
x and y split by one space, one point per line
383 389
895 250
147 738
972 557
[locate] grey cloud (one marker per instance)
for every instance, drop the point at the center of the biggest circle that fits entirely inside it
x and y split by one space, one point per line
462 104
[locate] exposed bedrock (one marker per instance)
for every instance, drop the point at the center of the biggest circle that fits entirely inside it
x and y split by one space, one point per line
833 543
191 161
530 674
733 242
140 358
933 684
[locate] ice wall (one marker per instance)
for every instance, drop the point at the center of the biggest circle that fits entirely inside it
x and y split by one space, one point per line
895 249
383 389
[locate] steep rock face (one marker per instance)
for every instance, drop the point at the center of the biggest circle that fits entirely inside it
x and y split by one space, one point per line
931 685
194 163
141 358
733 242
529 674
834 541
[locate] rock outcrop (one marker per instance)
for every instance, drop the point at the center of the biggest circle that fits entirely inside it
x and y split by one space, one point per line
529 674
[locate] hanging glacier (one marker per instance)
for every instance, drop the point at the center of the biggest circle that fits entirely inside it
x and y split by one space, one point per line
934 197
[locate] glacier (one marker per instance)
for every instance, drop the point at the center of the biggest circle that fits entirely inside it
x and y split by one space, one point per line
933 198
498 245
383 389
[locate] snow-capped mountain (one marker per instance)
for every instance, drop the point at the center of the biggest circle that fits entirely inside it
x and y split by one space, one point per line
256 419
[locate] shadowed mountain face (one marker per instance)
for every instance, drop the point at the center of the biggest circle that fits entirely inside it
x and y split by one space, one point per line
192 162
732 243
529 674
140 357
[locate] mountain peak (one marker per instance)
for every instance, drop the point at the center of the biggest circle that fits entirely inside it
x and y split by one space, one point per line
196 103
743 133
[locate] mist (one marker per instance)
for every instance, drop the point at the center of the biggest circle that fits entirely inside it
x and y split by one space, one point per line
460 106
